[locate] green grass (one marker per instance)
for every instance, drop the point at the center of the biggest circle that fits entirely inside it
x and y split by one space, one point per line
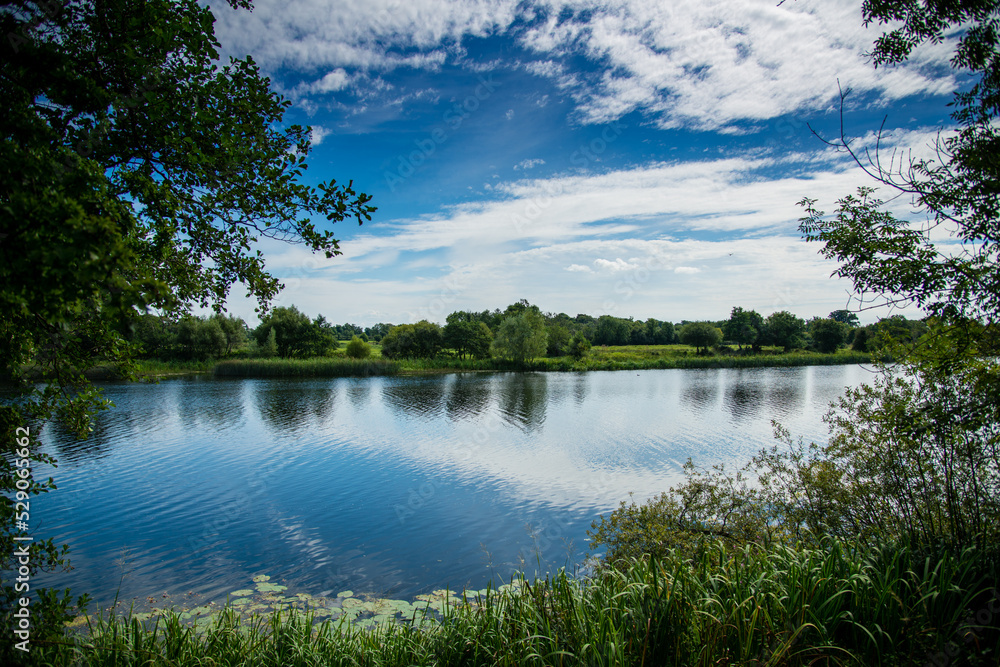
318 367
155 367
789 606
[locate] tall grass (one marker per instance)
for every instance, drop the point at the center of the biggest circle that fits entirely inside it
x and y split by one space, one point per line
318 367
788 606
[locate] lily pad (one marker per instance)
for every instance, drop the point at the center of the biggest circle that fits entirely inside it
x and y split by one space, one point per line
264 587
239 602
261 577
352 603
242 593
345 594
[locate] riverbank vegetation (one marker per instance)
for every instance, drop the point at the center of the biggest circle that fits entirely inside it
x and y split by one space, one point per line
828 604
524 339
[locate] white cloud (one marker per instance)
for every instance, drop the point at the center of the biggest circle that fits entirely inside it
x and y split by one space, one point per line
708 63
318 134
693 63
579 268
529 164
510 114
616 266
687 270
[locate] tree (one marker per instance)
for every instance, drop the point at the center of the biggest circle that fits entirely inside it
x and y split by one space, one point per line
201 337
138 172
827 334
558 338
612 331
468 337
845 317
234 329
578 346
743 326
295 334
521 337
785 329
701 335
958 191
358 349
421 340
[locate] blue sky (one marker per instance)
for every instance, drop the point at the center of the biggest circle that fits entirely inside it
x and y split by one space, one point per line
619 157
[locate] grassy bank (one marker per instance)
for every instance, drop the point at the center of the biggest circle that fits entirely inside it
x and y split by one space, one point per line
829 606
615 358
318 367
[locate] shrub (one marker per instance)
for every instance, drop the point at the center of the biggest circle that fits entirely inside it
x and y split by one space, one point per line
358 349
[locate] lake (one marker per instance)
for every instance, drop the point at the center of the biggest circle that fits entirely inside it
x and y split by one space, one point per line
393 485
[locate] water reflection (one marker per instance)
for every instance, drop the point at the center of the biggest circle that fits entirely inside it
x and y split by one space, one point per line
468 396
291 406
417 397
359 393
744 398
393 483
700 390
522 400
211 404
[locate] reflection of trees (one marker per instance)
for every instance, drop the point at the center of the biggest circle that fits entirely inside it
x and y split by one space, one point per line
69 449
216 403
523 398
745 397
417 397
287 405
468 396
785 396
700 389
359 392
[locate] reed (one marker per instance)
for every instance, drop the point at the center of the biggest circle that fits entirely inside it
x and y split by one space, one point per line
317 367
831 605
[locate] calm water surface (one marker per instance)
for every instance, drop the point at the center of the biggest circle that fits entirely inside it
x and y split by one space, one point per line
394 486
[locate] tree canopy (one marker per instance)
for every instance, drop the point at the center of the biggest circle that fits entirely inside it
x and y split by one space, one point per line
137 172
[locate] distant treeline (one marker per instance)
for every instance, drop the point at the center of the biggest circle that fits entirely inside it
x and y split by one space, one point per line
519 332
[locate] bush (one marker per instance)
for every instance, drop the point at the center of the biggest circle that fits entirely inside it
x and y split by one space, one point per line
358 349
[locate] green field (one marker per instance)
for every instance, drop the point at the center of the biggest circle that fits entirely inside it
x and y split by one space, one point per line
602 358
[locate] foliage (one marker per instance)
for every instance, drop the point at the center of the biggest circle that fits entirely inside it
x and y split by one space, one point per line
845 317
612 330
784 329
578 346
470 338
558 339
357 349
831 605
118 198
827 334
521 337
421 340
701 335
295 334
743 327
